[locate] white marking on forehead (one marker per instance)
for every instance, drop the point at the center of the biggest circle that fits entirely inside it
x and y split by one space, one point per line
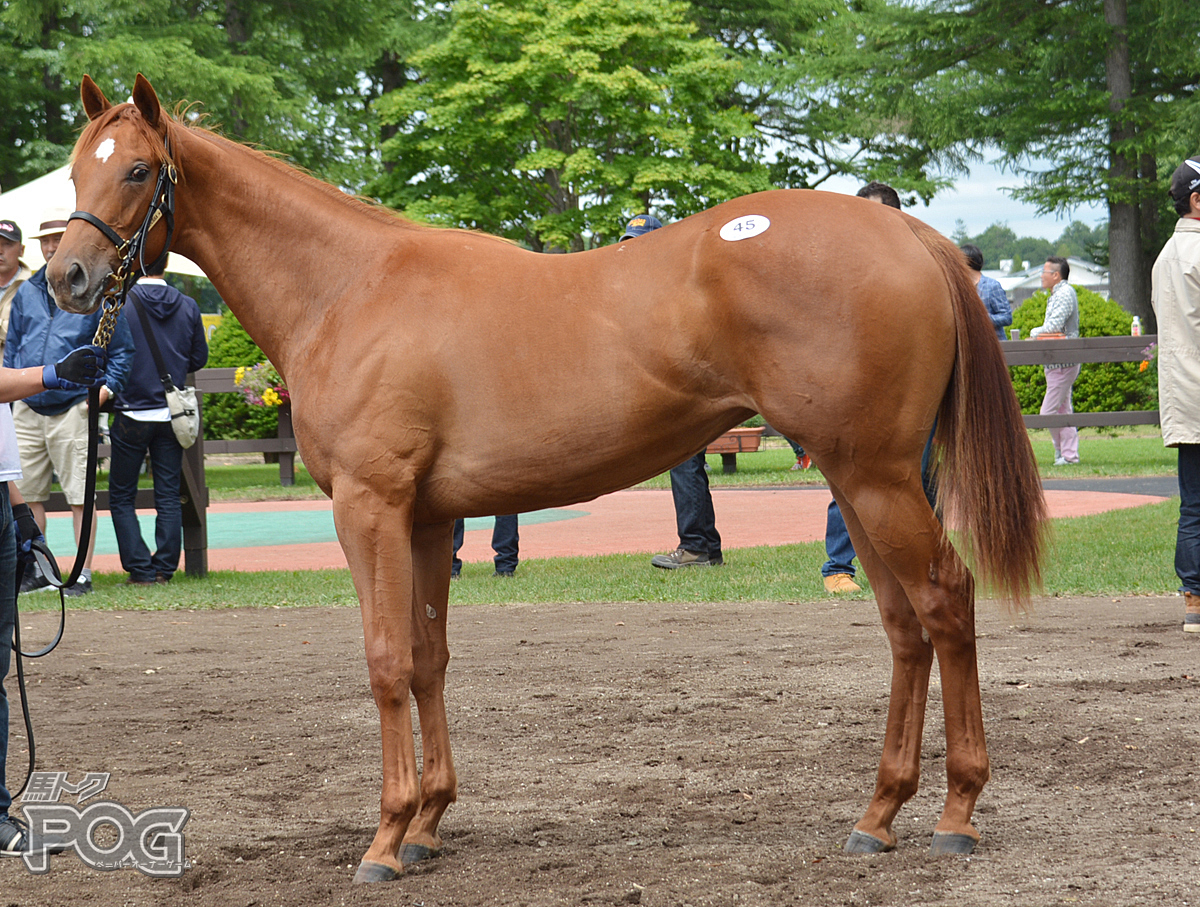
105 149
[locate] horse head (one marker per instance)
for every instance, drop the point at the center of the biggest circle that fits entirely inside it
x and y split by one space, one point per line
120 167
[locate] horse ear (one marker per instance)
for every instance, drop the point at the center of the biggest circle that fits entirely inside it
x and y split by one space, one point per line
94 101
146 101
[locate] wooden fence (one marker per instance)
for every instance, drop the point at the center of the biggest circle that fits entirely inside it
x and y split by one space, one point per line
220 380
1083 349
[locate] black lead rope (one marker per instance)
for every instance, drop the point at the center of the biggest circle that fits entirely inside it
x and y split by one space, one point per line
49 567
133 265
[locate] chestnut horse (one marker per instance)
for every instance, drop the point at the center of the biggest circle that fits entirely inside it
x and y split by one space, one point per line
441 373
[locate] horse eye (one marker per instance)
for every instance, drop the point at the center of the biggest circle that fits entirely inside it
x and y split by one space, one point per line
139 174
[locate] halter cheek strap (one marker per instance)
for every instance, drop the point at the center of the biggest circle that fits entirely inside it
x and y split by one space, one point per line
112 235
132 250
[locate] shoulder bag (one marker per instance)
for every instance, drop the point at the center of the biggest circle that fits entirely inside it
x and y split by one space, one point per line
181 401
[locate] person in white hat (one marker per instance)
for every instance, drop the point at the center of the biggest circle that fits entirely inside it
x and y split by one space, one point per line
52 427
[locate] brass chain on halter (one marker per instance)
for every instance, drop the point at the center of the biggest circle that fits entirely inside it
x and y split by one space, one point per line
131 250
123 279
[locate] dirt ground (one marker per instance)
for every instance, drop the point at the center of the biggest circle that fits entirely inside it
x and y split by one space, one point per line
629 754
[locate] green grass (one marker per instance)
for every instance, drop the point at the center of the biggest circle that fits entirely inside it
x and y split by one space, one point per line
1121 552
1116 553
1132 451
1135 451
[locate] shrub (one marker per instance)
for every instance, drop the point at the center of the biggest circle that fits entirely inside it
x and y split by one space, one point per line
1101 386
229 415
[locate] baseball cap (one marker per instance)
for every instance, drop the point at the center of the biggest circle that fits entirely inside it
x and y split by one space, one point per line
643 223
1185 181
10 231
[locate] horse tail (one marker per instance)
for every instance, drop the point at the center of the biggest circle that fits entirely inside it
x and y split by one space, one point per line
989 484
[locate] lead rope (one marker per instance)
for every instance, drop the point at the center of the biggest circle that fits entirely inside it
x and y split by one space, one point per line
133 265
42 555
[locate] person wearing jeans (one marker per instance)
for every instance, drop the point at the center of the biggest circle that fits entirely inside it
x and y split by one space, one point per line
131 439
838 570
142 424
695 519
505 540
1175 296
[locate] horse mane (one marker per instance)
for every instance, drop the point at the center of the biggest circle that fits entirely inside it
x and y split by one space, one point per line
129 113
273 160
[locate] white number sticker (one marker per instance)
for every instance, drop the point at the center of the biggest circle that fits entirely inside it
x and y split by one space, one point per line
745 227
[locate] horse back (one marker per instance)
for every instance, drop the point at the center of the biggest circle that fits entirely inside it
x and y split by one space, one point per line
573 375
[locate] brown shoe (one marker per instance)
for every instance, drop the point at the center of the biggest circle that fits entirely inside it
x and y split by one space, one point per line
1191 619
680 558
841 582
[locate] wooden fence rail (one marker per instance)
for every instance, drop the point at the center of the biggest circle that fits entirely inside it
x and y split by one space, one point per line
220 380
1082 349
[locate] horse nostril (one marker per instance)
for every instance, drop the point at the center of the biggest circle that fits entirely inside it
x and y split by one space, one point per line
77 279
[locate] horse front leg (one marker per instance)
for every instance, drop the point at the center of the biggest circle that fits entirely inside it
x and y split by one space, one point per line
432 552
376 537
912 660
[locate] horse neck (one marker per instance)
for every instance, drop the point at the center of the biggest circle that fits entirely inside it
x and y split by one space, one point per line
273 244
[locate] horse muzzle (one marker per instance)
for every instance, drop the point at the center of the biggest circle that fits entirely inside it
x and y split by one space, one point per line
77 285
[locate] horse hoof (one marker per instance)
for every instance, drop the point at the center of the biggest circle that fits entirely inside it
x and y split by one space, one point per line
945 842
861 842
374 872
415 853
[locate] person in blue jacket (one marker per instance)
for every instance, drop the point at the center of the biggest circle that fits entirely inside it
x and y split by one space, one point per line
142 423
52 426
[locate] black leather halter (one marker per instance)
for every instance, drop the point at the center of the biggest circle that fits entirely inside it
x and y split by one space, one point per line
133 250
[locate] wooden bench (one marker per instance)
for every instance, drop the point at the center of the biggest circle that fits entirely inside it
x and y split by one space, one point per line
734 442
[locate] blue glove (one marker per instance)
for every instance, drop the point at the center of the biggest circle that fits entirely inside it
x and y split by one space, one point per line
27 532
78 370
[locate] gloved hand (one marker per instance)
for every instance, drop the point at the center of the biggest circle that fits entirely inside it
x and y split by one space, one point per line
26 530
81 368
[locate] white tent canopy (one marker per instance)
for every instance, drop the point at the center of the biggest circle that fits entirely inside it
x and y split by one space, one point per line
28 205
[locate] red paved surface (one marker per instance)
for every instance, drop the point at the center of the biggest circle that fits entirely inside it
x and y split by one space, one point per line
639 521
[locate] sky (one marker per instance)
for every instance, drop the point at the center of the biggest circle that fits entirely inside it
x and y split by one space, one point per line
979 201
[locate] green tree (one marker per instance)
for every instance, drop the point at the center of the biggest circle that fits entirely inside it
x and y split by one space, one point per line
1088 100
1081 241
999 242
297 78
816 124
549 120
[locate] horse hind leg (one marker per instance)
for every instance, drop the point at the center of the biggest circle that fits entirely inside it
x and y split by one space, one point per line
926 600
431 654
912 660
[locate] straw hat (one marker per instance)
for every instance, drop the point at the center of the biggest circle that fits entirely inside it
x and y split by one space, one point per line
53 221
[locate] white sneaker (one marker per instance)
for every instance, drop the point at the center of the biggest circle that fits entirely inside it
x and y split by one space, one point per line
1060 461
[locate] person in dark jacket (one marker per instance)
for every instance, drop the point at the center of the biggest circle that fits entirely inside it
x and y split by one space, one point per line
142 423
52 426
